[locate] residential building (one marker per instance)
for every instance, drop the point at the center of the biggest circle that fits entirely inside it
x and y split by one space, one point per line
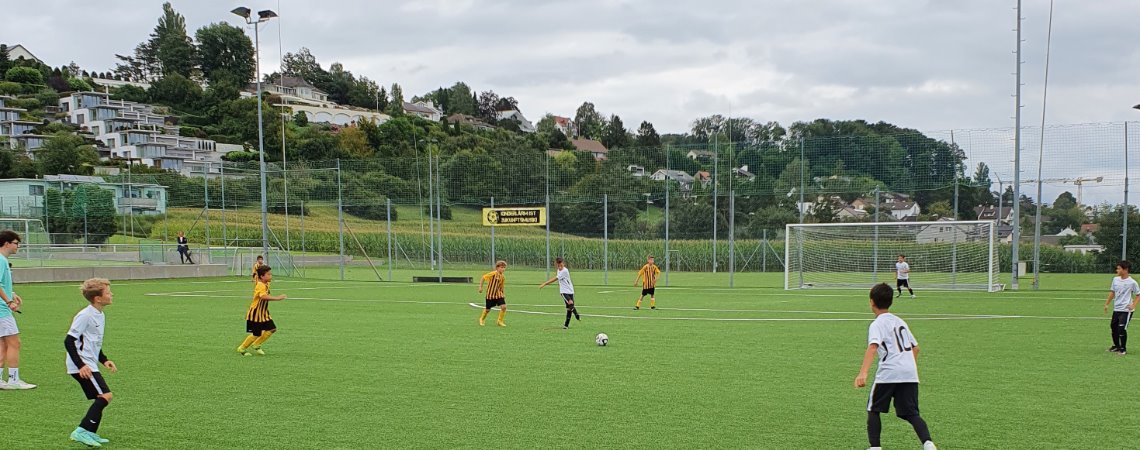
700 155
19 51
848 213
592 147
471 121
704 178
941 233
742 172
141 132
1089 228
566 126
1083 249
24 197
673 175
636 170
424 109
298 96
514 114
992 213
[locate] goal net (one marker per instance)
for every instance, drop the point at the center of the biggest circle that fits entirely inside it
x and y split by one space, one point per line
943 255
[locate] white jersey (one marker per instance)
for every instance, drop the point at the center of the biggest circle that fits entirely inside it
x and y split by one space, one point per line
896 361
565 286
903 270
87 329
1125 290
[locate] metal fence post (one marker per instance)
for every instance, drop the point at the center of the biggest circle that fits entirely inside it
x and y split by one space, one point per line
222 178
388 219
1124 234
340 217
493 234
606 238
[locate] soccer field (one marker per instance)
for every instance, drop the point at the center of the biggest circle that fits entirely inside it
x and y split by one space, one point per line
395 365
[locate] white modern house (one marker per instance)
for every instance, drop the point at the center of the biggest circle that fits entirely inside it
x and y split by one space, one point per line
426 110
16 133
941 233
514 114
566 126
298 95
24 197
679 176
137 131
700 155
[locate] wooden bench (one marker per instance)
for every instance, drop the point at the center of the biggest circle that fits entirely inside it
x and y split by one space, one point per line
437 279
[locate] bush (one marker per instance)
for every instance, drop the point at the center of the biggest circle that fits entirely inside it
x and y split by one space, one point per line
24 75
444 211
77 84
10 88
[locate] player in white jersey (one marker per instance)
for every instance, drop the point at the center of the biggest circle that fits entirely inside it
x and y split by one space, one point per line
902 276
565 288
84 345
9 333
1124 295
890 341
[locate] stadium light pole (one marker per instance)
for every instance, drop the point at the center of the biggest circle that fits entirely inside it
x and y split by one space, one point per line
262 16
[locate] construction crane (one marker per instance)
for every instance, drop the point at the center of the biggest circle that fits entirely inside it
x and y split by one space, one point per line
1079 182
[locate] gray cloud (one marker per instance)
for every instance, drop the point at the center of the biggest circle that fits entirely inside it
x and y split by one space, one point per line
921 64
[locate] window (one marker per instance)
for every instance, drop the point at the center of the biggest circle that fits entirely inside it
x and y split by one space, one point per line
35 190
79 119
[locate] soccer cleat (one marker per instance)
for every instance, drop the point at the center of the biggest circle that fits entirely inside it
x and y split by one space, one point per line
635 308
246 353
97 437
1120 352
652 307
241 349
1113 349
501 324
259 351
3 385
912 296
84 437
482 322
19 385
565 327
928 446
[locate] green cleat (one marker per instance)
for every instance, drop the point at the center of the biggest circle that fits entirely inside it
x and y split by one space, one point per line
98 437
241 349
84 437
259 351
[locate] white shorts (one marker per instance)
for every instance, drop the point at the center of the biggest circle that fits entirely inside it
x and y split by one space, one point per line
8 326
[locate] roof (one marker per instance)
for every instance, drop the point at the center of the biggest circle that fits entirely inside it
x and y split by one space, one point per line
702 153
17 51
74 178
468 120
292 81
990 212
675 174
413 107
589 145
900 205
561 120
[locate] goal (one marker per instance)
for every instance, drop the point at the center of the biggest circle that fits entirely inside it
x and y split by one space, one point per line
943 255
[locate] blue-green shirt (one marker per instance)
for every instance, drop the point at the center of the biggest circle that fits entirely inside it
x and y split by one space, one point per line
6 285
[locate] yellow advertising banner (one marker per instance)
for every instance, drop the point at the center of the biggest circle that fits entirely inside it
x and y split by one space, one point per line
509 217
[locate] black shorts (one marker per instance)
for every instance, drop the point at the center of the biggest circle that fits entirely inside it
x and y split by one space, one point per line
902 283
94 386
255 328
1120 319
648 291
495 302
905 396
568 299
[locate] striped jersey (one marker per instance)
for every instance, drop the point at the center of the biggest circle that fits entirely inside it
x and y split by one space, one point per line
256 264
259 308
648 274
495 282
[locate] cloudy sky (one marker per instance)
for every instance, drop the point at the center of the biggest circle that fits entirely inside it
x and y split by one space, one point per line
931 65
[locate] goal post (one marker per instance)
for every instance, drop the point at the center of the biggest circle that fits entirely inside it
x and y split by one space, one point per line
943 255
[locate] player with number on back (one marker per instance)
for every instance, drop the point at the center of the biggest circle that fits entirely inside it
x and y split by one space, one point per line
890 342
902 277
565 288
1124 295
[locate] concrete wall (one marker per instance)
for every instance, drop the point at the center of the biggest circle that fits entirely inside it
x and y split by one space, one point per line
116 273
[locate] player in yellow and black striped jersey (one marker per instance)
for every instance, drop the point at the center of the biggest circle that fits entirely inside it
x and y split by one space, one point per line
495 282
258 263
647 276
258 323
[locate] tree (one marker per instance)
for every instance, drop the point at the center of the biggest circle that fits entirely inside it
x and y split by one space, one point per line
69 154
18 165
225 55
1109 233
488 106
647 136
300 119
173 48
176 90
461 100
615 135
354 142
1065 201
24 75
5 61
396 106
87 211
588 121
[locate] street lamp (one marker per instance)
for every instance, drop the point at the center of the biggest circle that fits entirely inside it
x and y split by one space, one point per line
262 16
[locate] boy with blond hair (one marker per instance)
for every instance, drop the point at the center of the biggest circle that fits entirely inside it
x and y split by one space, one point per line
648 278
84 345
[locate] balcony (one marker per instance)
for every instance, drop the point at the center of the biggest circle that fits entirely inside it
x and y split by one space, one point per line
138 203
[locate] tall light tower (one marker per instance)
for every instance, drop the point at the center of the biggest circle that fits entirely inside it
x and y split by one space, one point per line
262 16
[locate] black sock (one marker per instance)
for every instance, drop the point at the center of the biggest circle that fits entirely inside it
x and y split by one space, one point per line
1123 338
910 290
567 324
576 316
94 415
874 428
920 427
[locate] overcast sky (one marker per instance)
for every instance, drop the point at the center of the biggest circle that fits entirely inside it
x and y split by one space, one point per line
931 65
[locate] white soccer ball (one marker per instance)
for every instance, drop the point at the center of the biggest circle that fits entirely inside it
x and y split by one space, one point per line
602 339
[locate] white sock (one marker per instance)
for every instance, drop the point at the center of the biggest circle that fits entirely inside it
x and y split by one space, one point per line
13 374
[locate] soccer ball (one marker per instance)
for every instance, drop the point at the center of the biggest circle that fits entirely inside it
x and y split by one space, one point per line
602 339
